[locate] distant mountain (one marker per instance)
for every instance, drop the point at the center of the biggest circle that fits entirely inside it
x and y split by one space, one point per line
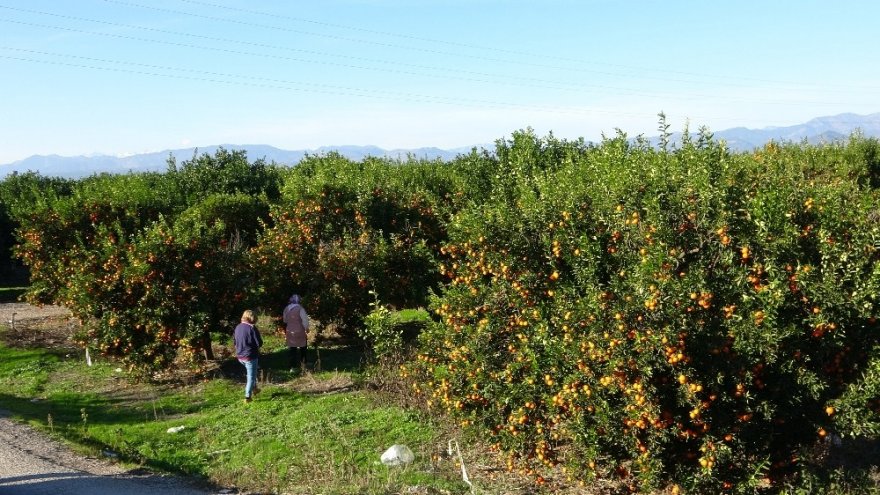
819 130
82 166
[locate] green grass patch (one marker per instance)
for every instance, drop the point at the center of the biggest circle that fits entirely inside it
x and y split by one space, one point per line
287 440
25 371
405 316
11 294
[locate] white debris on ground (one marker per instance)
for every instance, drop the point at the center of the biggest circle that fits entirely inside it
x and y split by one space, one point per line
398 454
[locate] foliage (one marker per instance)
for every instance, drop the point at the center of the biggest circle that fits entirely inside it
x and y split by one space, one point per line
682 315
343 229
178 283
224 172
147 264
18 194
686 316
379 330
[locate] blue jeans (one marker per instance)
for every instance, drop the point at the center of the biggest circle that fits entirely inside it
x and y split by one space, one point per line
251 382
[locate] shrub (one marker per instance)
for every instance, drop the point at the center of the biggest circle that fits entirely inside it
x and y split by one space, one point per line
19 194
343 229
379 330
685 316
147 265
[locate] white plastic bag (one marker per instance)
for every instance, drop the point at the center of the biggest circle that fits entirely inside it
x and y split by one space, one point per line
397 454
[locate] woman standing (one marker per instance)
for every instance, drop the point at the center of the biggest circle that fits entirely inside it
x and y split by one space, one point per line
297 327
248 341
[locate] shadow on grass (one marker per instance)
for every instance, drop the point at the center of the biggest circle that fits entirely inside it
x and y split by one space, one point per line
50 415
276 365
11 294
72 410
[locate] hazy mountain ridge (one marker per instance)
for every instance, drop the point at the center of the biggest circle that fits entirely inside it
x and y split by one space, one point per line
818 130
82 166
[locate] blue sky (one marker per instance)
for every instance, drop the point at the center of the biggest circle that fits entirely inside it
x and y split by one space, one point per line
129 76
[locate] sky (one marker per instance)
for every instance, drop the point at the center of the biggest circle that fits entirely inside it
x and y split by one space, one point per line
121 77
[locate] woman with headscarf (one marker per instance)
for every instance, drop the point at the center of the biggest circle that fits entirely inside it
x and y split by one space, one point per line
297 322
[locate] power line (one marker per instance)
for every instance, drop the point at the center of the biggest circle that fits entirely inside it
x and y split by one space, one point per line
466 45
462 45
573 88
321 88
439 52
281 84
505 79
284 84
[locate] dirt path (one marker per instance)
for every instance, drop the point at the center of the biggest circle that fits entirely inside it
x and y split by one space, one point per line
33 326
23 312
33 464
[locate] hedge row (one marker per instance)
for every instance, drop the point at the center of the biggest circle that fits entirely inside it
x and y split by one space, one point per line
692 316
689 316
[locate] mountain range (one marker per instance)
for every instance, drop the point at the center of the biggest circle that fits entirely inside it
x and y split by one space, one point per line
818 130
82 166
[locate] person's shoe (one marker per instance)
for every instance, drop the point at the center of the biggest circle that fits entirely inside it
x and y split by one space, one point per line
247 400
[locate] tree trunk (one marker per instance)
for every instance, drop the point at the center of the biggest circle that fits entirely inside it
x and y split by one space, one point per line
206 345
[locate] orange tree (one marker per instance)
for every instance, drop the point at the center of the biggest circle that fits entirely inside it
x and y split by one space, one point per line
178 284
691 316
79 238
150 263
343 229
20 193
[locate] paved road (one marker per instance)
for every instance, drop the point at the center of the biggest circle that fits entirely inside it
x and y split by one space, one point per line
33 464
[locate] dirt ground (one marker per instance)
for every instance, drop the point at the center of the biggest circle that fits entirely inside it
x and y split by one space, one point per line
32 463
55 325
28 312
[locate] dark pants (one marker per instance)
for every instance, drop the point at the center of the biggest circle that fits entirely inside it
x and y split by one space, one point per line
297 357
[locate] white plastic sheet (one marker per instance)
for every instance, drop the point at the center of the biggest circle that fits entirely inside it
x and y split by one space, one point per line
397 454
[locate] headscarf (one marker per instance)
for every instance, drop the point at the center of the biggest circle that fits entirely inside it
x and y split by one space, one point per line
294 299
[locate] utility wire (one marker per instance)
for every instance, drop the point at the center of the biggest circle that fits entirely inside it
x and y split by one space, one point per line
605 89
351 91
335 90
640 76
503 77
318 88
472 46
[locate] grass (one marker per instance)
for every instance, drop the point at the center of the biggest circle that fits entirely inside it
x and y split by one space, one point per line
298 436
11 294
412 315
